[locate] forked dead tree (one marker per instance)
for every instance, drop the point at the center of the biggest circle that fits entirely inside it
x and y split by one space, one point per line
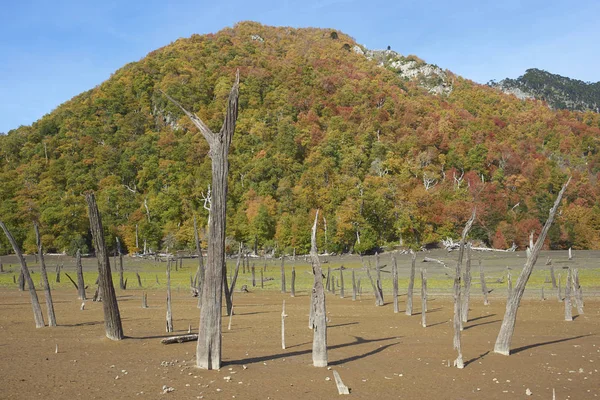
458 363
47 292
35 303
507 329
112 317
411 284
318 310
208 351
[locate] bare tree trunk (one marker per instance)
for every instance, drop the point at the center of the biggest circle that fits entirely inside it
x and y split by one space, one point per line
341 282
283 315
395 283
200 271
411 284
354 288
144 300
578 293
139 279
283 274
208 350
47 293
22 281
35 303
262 280
484 288
121 281
328 280
458 363
319 322
80 281
112 318
423 297
553 277
229 290
57 273
568 305
558 290
379 283
502 345
293 281
376 293
253 276
467 294
509 284
169 313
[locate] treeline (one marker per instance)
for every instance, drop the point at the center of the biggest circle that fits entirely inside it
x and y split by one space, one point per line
319 127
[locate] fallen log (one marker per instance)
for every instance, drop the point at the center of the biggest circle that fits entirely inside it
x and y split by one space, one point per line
180 339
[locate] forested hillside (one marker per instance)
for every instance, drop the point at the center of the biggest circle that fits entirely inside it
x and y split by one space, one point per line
320 126
558 91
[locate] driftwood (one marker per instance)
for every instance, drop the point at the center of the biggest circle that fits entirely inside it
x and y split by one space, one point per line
507 328
342 389
450 245
435 260
180 339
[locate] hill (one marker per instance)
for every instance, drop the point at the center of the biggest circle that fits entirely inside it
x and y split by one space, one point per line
321 125
558 91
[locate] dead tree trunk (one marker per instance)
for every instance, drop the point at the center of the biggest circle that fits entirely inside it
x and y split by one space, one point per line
353 286
458 363
144 300
169 313
283 274
379 283
319 320
35 303
208 351
553 277
200 271
502 345
578 293
283 315
253 276
411 284
484 288
121 281
229 289
57 273
342 282
376 293
328 279
423 297
112 318
139 279
80 281
467 286
509 287
21 281
293 281
47 292
262 280
568 305
395 283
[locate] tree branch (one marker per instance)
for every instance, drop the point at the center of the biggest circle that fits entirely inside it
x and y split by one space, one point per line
204 129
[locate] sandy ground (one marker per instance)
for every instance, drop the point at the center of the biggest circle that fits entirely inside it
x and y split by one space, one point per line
377 353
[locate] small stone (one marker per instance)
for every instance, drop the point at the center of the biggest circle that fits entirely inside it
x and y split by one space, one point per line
528 392
328 379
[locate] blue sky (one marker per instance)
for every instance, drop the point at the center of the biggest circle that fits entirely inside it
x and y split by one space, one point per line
52 50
